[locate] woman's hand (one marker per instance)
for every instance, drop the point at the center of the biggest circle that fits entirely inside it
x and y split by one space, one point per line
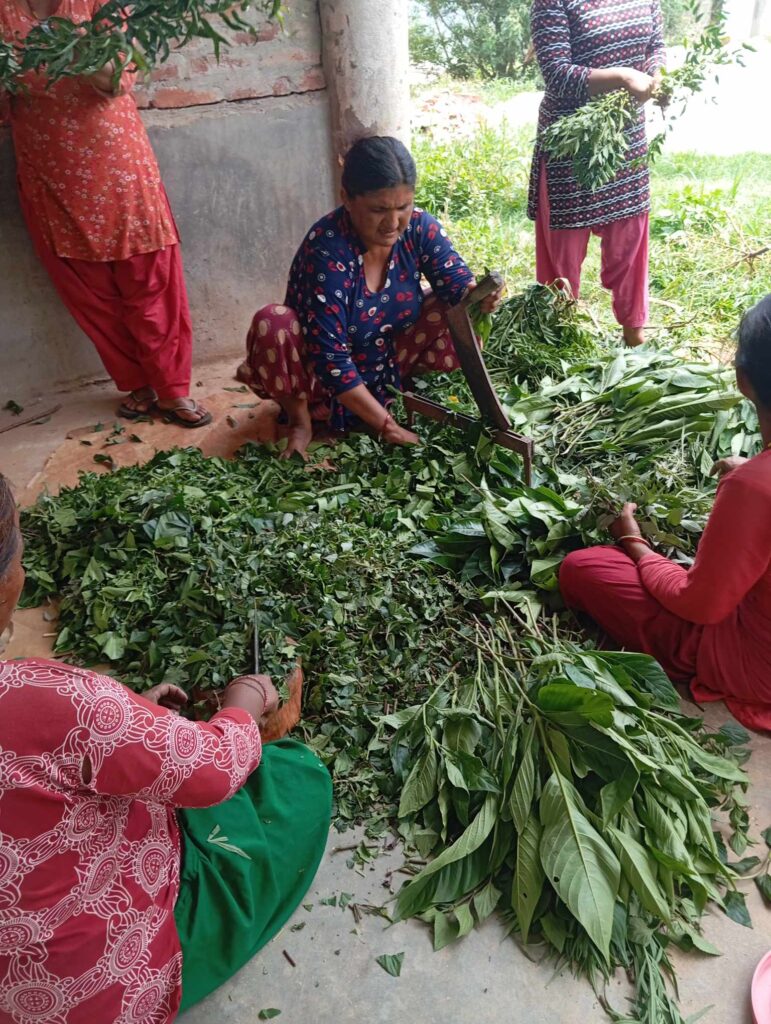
723 466
394 434
166 695
639 85
627 533
493 300
626 524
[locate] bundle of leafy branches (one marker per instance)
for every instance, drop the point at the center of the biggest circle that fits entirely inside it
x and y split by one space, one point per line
537 332
142 34
561 787
595 138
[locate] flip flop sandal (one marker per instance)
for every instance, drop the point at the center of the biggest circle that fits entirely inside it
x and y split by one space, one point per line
127 413
172 416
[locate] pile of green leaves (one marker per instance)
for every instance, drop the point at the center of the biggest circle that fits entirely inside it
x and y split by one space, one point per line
159 568
391 577
141 35
560 786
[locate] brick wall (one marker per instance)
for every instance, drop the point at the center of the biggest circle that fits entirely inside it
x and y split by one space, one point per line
274 61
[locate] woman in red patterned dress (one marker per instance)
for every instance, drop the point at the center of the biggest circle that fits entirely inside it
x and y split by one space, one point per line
118 903
584 48
99 219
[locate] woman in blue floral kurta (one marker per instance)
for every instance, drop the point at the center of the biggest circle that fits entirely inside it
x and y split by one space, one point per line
355 323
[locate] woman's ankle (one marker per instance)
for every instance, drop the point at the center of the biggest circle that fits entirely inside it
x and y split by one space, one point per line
634 336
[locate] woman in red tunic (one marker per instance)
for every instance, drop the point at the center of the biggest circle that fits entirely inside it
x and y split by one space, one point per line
99 219
119 904
584 48
709 625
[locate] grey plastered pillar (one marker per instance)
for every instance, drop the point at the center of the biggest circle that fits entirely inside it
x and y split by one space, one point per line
366 63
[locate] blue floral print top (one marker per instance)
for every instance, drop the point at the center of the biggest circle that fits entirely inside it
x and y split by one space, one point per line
350 331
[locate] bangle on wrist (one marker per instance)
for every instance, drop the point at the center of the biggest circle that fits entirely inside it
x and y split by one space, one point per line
253 684
635 537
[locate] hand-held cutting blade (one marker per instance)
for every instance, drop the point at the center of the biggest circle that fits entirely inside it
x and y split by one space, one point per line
256 641
470 354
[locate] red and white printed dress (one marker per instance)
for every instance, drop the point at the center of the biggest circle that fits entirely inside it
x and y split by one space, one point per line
89 872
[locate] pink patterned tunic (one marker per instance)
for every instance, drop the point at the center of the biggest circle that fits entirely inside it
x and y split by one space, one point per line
89 871
571 37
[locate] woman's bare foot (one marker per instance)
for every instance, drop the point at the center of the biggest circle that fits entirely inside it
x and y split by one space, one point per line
634 336
300 428
185 412
138 403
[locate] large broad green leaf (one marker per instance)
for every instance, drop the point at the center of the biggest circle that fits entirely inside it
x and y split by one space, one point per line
715 765
640 869
528 875
412 895
578 862
619 792
523 790
568 705
663 838
646 673
420 786
485 901
736 908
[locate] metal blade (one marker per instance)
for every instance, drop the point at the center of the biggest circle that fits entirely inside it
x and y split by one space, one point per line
256 641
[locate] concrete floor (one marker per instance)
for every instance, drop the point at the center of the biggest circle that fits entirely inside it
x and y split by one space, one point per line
336 979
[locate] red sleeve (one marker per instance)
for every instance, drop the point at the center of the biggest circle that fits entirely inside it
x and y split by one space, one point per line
155 755
734 553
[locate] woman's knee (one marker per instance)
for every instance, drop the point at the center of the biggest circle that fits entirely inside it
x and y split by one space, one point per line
268 321
573 574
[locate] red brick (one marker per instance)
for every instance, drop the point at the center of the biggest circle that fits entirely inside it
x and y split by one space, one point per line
263 35
313 79
282 87
141 98
200 65
268 32
170 99
165 73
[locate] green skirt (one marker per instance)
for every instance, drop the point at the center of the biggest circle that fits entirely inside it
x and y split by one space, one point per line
247 863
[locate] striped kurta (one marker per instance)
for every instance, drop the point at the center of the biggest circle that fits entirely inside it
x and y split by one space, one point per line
571 37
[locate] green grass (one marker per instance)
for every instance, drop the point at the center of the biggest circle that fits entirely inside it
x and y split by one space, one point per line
497 90
707 214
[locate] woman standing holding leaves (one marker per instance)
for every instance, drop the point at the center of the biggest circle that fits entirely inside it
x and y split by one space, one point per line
97 212
585 48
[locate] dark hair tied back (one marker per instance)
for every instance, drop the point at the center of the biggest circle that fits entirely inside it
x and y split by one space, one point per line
9 535
753 355
377 162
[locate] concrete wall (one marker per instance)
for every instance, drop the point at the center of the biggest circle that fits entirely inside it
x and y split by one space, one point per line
246 153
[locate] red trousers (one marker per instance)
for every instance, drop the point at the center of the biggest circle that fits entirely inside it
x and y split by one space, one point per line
561 254
603 582
276 364
135 311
